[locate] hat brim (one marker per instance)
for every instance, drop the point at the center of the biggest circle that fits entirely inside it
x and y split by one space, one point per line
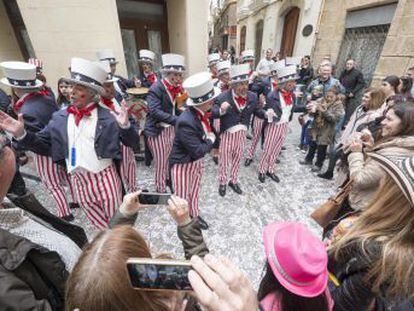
312 290
238 81
96 88
172 71
191 103
140 60
38 84
283 80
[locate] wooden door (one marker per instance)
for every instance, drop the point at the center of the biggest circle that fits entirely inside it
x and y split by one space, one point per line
289 32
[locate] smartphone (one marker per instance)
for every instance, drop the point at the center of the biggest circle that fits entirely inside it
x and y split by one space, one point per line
153 198
159 274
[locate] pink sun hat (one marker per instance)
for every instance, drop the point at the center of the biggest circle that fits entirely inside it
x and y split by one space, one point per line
297 257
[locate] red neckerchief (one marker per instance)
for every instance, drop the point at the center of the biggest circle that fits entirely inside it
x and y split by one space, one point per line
205 119
19 104
241 101
250 73
287 96
108 103
173 90
274 84
152 78
80 113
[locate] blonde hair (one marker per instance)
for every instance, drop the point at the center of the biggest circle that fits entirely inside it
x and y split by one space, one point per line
389 221
100 281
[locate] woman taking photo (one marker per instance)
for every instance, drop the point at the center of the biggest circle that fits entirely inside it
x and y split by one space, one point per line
373 261
369 110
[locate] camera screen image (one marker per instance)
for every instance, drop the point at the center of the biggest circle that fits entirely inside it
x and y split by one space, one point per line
155 276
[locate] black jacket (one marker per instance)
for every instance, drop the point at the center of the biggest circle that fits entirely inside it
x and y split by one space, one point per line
305 75
354 293
352 80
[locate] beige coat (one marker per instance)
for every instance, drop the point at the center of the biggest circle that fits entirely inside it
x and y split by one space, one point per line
367 173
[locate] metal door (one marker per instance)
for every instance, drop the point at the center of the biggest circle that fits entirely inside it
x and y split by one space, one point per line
364 45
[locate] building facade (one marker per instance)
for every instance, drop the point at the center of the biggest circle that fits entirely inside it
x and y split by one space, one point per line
224 21
287 26
379 35
56 30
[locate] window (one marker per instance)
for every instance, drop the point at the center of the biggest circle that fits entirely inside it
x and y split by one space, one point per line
243 39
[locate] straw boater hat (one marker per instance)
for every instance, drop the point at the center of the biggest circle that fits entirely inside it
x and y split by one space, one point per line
223 67
287 73
276 66
296 60
110 78
213 58
20 75
401 170
239 73
146 56
247 55
107 54
200 89
87 73
173 63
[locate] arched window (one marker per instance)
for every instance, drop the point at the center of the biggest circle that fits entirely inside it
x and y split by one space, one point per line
243 39
258 42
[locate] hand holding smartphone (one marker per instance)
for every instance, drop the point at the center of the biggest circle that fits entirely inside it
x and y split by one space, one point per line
153 198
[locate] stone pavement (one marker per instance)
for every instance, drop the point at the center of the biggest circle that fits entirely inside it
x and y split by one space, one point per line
236 221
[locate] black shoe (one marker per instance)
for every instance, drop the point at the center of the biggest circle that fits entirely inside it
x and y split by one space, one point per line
215 160
139 158
304 162
222 190
235 187
202 223
283 148
277 161
73 205
262 178
248 162
327 175
68 218
273 176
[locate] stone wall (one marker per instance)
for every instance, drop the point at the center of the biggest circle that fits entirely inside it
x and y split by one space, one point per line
398 51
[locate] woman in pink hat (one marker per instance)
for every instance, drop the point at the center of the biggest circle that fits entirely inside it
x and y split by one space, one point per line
296 274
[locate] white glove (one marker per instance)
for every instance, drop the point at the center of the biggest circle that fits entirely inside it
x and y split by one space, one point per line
211 136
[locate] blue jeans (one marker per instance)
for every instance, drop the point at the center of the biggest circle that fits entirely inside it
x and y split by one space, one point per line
304 136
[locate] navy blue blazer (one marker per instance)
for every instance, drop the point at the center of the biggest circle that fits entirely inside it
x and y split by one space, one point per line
233 116
124 84
160 109
273 102
190 142
37 112
53 139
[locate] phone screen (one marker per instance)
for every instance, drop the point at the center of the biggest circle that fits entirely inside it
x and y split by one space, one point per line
159 274
148 198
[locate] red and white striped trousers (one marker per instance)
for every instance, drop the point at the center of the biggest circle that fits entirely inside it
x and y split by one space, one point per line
257 132
160 147
186 180
216 125
128 169
231 151
275 134
99 194
54 178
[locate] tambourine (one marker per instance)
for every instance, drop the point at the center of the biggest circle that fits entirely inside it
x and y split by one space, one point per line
138 92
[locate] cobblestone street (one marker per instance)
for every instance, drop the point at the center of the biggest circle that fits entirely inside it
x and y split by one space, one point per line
235 221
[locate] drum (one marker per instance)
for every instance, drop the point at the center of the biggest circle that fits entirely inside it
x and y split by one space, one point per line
136 102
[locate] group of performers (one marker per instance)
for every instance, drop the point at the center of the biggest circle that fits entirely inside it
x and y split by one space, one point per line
89 145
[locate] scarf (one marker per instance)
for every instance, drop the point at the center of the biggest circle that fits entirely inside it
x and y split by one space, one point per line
287 96
173 90
19 104
80 113
241 101
205 119
108 103
152 78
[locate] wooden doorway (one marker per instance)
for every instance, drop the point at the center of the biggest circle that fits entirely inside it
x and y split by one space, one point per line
258 41
290 27
242 39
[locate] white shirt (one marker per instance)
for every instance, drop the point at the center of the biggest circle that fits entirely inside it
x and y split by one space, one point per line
82 139
264 66
286 110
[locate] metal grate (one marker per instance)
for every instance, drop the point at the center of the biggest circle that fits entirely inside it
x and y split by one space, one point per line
364 45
